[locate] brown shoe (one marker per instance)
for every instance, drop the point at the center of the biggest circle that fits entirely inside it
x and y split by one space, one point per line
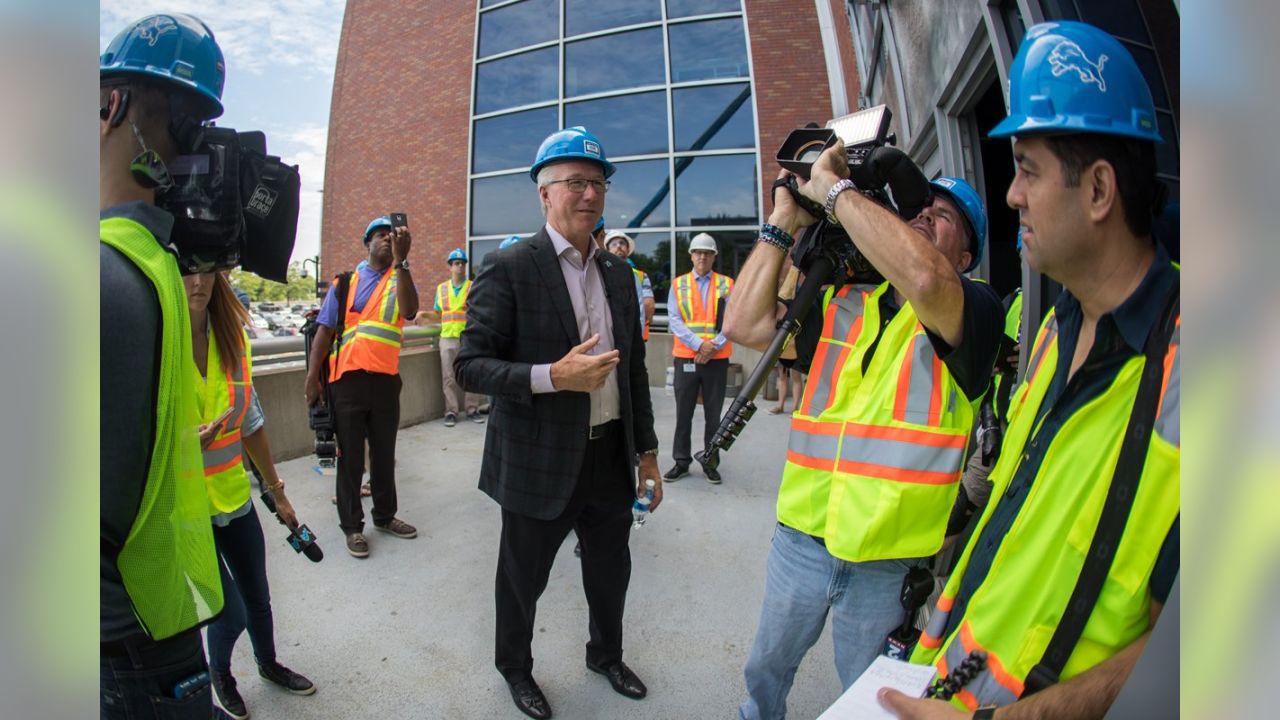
357 545
399 528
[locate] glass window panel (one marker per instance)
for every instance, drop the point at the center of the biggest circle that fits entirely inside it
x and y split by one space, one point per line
517 80
732 249
480 248
509 141
685 8
719 116
639 196
1122 19
717 190
505 205
584 16
627 125
487 3
614 62
515 26
653 255
1167 161
708 50
1150 67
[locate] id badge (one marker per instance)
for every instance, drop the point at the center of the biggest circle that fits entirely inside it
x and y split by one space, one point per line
690 367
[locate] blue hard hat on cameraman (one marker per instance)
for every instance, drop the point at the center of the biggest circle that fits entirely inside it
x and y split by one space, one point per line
172 48
575 143
509 242
378 222
456 254
975 214
1072 77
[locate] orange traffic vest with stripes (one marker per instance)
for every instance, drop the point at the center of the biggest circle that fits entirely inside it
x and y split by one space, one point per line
699 318
453 308
874 460
223 387
371 338
1016 610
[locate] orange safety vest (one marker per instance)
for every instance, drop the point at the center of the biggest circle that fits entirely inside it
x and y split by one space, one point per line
699 318
372 337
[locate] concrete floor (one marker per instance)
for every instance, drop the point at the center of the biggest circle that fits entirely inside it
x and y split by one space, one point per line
408 631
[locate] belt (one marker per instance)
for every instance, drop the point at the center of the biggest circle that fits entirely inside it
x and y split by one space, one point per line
596 432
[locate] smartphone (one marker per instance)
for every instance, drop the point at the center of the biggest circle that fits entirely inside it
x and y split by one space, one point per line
399 220
222 418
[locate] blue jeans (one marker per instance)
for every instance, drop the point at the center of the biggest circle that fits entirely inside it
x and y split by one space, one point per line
803 583
137 679
246 596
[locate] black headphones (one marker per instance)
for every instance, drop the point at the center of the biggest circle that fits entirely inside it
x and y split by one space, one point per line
121 112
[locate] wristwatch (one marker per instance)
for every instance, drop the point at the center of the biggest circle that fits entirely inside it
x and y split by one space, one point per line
403 264
832 194
653 452
985 713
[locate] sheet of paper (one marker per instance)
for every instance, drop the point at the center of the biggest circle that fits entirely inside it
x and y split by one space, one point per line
859 701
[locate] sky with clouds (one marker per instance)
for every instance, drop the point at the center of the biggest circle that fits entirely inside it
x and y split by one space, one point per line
280 59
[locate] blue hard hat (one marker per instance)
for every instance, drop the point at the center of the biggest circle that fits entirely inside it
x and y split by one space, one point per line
975 214
457 254
172 48
378 222
509 242
570 144
1072 77
599 226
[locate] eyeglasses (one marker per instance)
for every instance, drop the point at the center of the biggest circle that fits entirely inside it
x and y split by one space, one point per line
579 185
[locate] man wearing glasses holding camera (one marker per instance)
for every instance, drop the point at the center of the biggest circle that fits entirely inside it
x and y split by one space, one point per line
878 441
553 334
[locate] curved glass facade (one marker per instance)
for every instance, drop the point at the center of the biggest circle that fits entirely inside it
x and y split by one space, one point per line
666 86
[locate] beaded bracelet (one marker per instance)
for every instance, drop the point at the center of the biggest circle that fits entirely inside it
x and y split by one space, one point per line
777 237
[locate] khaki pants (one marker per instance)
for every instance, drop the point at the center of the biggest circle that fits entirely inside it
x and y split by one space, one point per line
453 394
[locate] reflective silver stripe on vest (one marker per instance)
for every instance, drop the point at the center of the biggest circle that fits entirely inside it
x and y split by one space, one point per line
920 389
984 686
389 302
1050 334
848 309
1168 423
371 330
937 624
214 458
902 455
813 445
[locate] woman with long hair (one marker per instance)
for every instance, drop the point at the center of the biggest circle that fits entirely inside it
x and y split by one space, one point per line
231 419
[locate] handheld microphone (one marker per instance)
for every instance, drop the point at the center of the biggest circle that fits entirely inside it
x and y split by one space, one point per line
301 539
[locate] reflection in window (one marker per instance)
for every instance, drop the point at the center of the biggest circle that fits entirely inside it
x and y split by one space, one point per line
653 255
517 80
685 8
639 197
515 26
717 190
714 118
708 50
480 248
510 141
505 205
614 62
584 16
627 125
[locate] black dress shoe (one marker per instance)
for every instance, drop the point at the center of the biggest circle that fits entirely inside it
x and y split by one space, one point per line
624 681
530 700
677 472
713 475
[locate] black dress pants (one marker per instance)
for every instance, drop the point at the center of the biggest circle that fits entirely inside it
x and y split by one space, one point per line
600 512
366 406
711 378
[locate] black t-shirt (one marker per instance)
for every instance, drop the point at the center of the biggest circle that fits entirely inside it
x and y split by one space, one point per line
970 362
129 343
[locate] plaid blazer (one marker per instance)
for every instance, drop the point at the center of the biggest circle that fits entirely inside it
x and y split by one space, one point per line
519 315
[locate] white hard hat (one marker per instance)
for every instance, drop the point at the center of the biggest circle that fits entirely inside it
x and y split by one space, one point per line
702 241
609 237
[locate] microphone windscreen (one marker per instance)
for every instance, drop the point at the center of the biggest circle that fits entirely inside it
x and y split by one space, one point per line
313 552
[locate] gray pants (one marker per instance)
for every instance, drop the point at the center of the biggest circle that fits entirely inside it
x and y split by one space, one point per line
453 394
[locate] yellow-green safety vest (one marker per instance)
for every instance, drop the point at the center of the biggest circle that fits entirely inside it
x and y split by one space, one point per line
453 308
168 563
874 461
219 389
1015 612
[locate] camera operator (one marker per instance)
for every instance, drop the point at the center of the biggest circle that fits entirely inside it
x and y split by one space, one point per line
159 573
364 378
878 440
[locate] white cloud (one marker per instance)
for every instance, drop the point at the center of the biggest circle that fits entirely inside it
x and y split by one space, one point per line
301 35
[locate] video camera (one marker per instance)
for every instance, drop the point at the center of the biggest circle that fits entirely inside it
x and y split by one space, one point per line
233 204
320 415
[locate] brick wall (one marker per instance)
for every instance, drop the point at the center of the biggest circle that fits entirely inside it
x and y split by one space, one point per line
398 130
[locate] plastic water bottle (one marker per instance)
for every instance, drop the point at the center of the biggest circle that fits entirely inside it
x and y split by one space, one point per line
640 510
